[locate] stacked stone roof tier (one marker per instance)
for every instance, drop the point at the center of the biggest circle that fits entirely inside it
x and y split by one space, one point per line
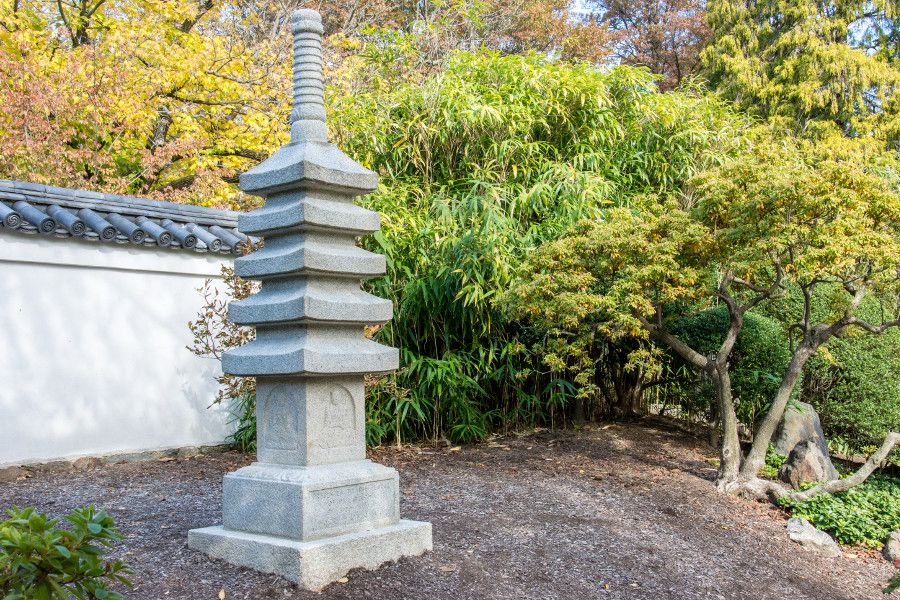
310 311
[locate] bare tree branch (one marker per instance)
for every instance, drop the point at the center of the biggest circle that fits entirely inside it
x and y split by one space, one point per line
240 152
683 350
857 322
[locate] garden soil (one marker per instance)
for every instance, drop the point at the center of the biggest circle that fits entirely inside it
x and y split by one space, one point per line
614 511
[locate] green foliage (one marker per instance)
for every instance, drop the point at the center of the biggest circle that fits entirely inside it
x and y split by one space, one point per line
784 212
39 560
244 420
758 362
865 514
480 163
596 199
856 389
811 64
894 584
853 383
774 461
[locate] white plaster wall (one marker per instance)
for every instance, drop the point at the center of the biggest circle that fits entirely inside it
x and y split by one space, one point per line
93 356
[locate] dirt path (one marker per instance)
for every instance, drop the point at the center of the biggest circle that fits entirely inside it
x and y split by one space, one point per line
616 512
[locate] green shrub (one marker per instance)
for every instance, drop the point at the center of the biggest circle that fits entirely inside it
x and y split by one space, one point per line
894 584
856 389
38 560
865 514
758 362
244 421
774 460
481 161
855 383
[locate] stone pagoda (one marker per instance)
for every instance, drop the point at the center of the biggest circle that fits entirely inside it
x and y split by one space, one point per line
312 507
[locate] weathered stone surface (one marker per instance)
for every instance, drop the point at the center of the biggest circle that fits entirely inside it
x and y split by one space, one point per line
314 564
308 211
86 463
310 422
10 474
313 502
321 165
309 351
309 254
805 534
312 300
806 463
800 423
313 507
188 452
892 548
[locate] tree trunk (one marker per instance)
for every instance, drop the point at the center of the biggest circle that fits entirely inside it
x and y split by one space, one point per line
579 411
766 429
730 448
629 391
761 489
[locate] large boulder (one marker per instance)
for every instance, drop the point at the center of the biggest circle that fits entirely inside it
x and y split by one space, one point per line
892 548
804 533
800 423
806 463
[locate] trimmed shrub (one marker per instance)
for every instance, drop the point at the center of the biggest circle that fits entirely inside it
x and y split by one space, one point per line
854 383
758 361
856 389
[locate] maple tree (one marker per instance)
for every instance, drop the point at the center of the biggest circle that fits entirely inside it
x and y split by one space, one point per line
820 217
172 99
152 98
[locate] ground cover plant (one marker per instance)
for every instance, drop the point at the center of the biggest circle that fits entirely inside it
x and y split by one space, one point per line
865 514
39 560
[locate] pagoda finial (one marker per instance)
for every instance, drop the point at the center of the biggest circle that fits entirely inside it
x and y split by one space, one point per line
308 114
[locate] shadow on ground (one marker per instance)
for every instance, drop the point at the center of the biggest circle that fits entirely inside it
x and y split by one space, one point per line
619 511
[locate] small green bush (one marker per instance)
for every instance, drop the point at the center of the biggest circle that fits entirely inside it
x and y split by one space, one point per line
774 460
856 389
865 514
40 561
244 420
758 362
893 585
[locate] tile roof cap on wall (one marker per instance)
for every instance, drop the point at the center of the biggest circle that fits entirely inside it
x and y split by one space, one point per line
93 216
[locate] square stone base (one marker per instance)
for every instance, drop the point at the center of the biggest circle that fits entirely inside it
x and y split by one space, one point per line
313 564
312 502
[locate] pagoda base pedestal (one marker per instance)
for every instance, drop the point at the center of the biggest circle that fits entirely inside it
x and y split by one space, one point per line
312 524
313 564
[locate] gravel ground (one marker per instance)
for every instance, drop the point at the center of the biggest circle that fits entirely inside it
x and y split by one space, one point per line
619 511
